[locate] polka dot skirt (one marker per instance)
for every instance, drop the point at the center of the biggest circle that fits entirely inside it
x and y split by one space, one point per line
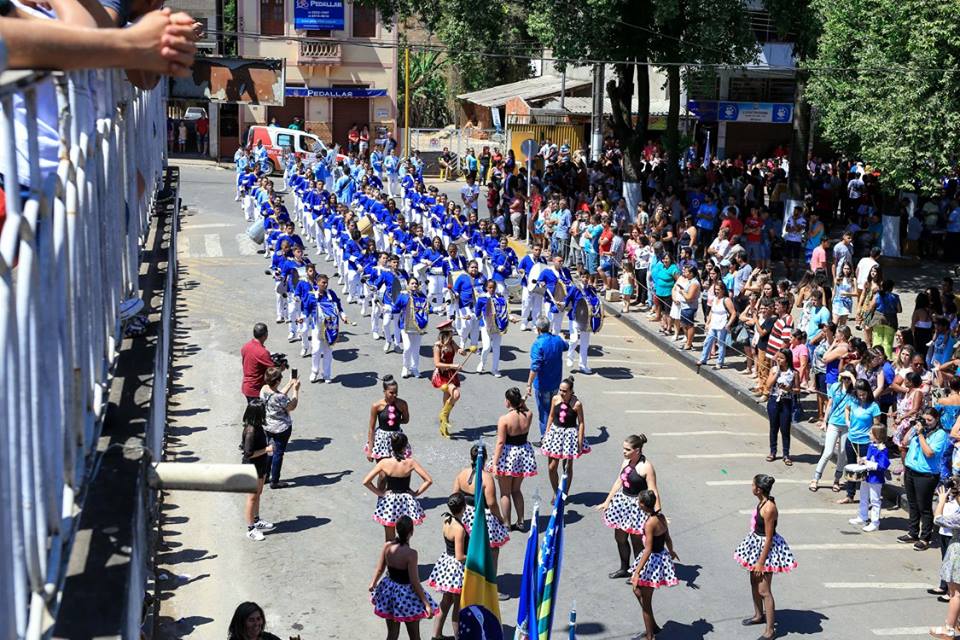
517 460
381 445
625 514
779 560
499 534
393 505
447 575
398 602
658 572
561 442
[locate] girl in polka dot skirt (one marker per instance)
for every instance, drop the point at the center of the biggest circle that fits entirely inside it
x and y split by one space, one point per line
764 552
399 597
394 496
653 568
564 437
447 574
386 416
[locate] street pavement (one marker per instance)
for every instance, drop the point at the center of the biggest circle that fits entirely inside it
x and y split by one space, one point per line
311 573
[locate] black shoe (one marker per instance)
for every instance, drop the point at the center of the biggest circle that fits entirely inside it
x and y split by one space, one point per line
944 599
937 592
280 485
749 622
907 538
619 573
921 545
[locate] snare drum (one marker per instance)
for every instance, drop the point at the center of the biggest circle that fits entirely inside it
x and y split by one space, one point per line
855 472
256 232
365 224
513 286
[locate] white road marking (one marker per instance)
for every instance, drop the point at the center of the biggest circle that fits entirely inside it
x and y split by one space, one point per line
209 225
639 362
876 585
902 631
245 245
747 483
847 546
183 242
662 393
709 432
211 245
610 335
713 456
686 412
808 512
618 348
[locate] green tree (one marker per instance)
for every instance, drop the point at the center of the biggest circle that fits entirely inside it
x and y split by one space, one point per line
476 36
428 90
886 82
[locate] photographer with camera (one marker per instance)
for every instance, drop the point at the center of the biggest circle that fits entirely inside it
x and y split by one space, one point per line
921 475
278 425
255 360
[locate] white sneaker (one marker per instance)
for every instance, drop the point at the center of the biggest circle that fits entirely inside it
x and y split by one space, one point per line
404 373
480 369
304 353
856 521
569 362
376 336
873 526
255 534
387 347
497 374
586 371
314 378
263 525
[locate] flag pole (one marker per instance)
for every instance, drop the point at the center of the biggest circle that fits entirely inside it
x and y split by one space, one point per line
573 621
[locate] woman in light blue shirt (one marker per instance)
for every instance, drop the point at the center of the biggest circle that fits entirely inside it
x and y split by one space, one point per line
839 395
862 414
921 475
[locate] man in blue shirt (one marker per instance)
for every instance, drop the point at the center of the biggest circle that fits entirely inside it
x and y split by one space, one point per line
546 369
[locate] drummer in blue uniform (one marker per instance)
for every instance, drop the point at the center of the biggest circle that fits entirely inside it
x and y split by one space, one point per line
324 314
453 264
586 317
465 290
531 298
549 278
503 263
391 167
391 283
493 318
433 258
412 310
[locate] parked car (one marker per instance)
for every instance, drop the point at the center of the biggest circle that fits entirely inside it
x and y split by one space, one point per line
274 139
194 113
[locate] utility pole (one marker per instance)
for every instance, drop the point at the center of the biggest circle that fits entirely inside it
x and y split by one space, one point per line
406 102
596 138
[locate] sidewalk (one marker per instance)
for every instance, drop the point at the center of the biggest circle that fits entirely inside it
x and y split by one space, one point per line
732 380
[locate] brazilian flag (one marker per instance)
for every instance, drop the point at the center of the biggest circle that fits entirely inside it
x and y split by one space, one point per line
479 602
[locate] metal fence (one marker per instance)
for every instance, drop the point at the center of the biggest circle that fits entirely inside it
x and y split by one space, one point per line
430 143
69 265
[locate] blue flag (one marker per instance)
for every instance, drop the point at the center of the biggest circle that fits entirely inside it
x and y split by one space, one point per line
551 554
529 597
706 152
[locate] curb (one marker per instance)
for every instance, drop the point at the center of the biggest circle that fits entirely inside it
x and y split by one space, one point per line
811 437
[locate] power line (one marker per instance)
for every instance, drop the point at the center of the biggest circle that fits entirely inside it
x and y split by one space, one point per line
381 44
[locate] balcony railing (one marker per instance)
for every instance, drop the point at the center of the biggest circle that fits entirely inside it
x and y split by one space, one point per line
320 52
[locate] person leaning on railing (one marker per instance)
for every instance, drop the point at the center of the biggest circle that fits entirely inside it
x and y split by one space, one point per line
162 41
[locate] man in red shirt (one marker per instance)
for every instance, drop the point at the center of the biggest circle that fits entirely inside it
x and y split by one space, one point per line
256 360
731 222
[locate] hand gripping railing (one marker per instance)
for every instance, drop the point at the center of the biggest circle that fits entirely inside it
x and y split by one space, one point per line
69 266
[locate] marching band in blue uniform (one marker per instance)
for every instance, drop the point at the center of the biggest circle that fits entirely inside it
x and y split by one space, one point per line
401 251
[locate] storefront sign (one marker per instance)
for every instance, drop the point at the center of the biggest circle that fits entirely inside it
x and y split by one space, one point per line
333 92
318 14
723 111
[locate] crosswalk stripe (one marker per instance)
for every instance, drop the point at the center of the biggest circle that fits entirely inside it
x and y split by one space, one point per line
902 631
808 512
706 432
846 546
644 363
183 242
209 225
716 456
211 245
685 412
661 393
876 585
747 483
245 245
618 348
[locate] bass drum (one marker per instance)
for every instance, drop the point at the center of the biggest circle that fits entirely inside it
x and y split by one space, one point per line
532 285
365 224
256 232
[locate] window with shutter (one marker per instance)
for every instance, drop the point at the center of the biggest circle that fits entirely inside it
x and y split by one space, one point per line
364 21
272 17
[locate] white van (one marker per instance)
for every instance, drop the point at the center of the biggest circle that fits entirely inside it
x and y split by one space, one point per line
275 139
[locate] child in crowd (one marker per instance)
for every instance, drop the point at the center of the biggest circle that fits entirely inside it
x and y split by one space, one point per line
877 462
628 286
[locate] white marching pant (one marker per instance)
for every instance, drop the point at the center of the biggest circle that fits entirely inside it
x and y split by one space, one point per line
581 340
354 286
327 242
469 327
376 317
490 344
531 306
411 351
282 306
293 312
321 363
248 208
556 322
438 285
391 333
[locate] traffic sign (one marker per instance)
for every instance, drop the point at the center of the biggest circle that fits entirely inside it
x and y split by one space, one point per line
529 147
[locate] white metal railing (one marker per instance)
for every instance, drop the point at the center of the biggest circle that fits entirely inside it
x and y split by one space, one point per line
69 259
